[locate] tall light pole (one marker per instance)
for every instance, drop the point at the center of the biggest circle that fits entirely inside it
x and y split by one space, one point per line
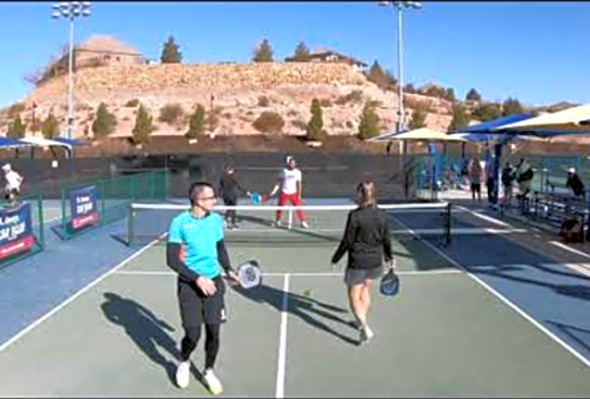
400 5
71 10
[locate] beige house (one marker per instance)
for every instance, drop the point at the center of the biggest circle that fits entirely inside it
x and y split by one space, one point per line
326 55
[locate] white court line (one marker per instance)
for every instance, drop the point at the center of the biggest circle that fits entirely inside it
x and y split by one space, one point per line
570 249
56 309
280 386
509 303
484 217
311 274
454 230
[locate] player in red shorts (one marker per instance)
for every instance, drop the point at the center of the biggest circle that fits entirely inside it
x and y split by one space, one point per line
289 187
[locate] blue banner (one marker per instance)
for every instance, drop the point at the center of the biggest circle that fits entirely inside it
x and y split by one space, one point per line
16 230
83 208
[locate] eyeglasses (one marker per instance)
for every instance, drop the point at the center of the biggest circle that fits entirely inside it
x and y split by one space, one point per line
207 198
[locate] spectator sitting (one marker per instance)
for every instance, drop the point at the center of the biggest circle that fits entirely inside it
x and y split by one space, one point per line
575 183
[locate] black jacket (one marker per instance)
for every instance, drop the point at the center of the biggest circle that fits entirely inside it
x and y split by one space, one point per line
575 183
366 239
229 187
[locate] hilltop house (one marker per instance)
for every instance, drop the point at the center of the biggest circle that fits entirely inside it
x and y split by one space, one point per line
326 55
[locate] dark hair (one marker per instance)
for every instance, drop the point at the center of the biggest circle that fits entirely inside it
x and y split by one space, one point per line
197 188
366 193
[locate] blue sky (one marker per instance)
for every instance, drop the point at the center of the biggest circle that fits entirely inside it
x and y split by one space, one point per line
538 52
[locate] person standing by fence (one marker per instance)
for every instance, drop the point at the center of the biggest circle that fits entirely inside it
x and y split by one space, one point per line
13 183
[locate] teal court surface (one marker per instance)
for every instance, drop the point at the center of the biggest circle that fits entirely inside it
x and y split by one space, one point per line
500 312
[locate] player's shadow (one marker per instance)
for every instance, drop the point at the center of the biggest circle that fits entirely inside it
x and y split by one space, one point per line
306 308
146 330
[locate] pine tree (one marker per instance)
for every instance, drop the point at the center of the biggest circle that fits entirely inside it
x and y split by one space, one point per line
263 52
170 52
460 118
143 126
418 119
301 53
50 127
369 123
473 95
104 122
196 123
511 107
17 128
316 123
378 76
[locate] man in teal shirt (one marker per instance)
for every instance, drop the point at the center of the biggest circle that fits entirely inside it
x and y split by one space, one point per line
196 251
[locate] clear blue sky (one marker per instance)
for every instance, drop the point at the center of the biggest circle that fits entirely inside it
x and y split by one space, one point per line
537 52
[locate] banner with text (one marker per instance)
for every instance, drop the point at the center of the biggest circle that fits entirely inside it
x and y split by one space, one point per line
16 230
83 209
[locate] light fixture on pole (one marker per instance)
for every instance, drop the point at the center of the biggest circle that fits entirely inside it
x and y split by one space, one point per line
71 10
400 5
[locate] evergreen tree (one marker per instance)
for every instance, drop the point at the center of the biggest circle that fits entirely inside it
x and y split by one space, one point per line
511 107
17 128
143 126
263 52
316 123
369 123
196 124
473 95
460 118
104 122
50 127
170 52
418 119
301 53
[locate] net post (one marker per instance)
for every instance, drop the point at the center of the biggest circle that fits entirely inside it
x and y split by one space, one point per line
130 227
41 221
64 217
290 218
448 224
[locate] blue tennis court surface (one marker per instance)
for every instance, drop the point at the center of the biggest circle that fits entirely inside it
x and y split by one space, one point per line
501 311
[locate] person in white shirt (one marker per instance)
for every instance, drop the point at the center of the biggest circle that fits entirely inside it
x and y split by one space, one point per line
289 185
13 182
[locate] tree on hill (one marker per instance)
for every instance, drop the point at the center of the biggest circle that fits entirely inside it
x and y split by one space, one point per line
377 75
196 125
104 122
50 127
473 95
301 53
460 118
170 52
369 123
511 106
16 129
450 95
487 112
263 53
418 118
315 125
144 127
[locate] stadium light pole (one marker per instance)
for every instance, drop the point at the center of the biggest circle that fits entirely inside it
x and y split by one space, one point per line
71 10
400 5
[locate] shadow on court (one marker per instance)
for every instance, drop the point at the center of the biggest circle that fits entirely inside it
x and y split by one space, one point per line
144 328
306 308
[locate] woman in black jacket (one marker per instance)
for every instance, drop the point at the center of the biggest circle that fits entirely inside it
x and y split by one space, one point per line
230 189
367 241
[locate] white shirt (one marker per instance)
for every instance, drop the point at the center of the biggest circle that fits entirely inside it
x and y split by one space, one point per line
290 178
13 180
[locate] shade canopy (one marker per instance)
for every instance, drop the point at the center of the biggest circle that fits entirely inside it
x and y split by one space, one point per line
422 134
7 142
43 142
574 120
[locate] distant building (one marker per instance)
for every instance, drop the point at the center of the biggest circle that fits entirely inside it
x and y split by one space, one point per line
326 55
98 50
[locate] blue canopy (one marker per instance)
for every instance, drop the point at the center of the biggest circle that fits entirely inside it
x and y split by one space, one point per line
7 142
483 131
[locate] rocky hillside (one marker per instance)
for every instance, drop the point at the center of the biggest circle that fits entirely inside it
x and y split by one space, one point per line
238 94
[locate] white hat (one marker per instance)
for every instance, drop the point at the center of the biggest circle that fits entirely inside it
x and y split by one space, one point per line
289 158
6 167
571 170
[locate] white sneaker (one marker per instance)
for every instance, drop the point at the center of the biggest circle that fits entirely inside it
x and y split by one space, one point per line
365 334
304 225
212 382
183 374
278 223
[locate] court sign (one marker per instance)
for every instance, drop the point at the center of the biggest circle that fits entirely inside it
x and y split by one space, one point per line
83 208
16 230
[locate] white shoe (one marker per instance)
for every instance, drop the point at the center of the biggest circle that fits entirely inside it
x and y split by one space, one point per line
278 223
212 382
305 225
365 334
183 374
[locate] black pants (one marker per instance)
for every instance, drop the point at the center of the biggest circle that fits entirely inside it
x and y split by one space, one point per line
195 309
230 214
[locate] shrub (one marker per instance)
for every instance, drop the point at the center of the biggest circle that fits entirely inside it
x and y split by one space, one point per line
369 123
105 122
196 123
132 103
263 101
144 126
325 103
171 113
316 123
353 96
50 127
269 122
